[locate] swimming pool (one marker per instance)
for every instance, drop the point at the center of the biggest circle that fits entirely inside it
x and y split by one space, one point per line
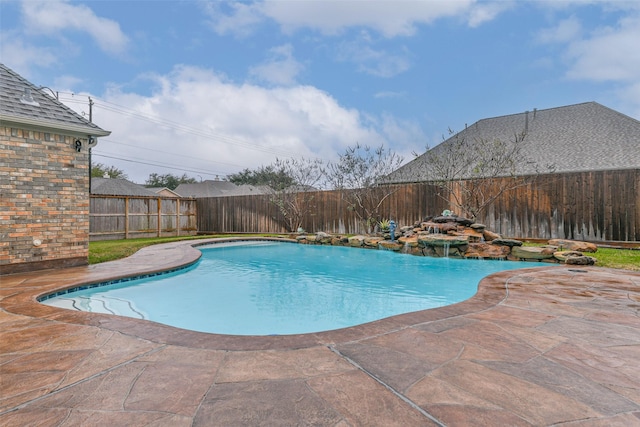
276 288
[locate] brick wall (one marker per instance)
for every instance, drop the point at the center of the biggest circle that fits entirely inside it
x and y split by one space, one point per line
44 201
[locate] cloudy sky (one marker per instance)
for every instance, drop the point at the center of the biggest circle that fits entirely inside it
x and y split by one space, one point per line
209 88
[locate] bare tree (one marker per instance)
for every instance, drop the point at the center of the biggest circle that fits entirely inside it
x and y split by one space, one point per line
294 197
473 174
360 174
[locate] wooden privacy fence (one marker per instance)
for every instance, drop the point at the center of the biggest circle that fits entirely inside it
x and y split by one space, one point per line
594 206
125 217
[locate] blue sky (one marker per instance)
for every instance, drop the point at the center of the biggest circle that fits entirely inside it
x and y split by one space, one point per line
209 88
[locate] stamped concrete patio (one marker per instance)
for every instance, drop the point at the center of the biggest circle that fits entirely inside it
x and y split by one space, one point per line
542 346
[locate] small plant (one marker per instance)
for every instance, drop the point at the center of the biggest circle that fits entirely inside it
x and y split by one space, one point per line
384 225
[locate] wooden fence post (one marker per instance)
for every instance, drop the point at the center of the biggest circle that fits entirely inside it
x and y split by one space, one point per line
159 216
126 217
177 217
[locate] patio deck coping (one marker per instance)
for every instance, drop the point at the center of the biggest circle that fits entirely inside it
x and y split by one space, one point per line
535 346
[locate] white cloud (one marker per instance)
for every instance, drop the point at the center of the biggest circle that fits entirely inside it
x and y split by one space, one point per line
406 136
610 54
280 69
603 54
241 18
208 125
397 18
606 5
389 18
565 31
386 18
54 17
67 82
20 55
630 95
381 64
485 12
370 60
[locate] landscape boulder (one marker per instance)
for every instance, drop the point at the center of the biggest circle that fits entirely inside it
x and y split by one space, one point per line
452 219
439 228
474 235
487 251
452 236
322 237
506 242
532 252
562 256
490 236
442 240
581 260
411 241
339 240
372 241
356 241
390 246
443 219
464 221
574 245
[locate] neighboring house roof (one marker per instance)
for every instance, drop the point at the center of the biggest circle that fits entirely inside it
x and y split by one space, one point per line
573 138
118 187
218 189
23 103
163 191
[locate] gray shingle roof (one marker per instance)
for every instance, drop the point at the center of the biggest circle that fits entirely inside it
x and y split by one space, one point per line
45 111
573 138
118 187
163 191
217 189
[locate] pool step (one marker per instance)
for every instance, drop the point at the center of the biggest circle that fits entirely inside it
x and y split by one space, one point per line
97 304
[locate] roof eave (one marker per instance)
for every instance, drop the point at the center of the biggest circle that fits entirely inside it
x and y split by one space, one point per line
76 130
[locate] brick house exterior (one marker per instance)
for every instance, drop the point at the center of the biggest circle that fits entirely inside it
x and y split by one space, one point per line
44 179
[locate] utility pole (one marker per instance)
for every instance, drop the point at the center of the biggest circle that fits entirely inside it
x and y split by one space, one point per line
90 121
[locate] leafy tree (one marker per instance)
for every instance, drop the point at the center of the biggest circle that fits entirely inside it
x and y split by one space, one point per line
473 174
359 174
294 190
275 176
98 170
168 180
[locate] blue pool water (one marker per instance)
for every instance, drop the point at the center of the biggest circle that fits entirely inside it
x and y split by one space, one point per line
267 288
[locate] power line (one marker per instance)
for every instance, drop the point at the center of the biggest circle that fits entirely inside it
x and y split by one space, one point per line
204 172
110 141
215 136
218 137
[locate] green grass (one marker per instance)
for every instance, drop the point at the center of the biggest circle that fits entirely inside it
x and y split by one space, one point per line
110 250
626 259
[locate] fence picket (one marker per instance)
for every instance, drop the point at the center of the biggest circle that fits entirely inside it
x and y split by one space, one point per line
595 205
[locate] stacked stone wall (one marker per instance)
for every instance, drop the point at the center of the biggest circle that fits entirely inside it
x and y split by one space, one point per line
44 200
456 237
